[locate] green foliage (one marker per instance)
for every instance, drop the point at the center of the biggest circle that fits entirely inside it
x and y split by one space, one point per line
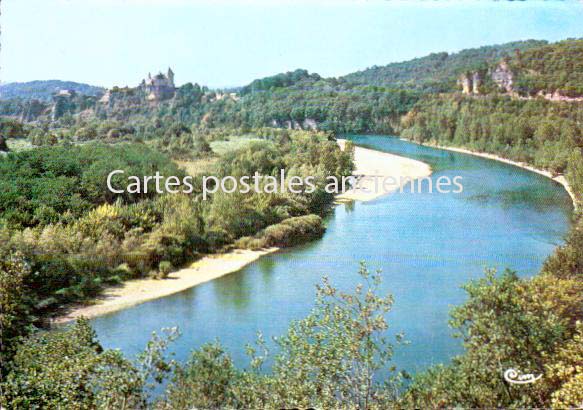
68 368
15 315
330 359
12 129
49 185
64 237
279 81
331 105
509 323
77 237
566 373
44 90
505 324
547 134
567 260
164 269
181 143
552 68
438 72
290 232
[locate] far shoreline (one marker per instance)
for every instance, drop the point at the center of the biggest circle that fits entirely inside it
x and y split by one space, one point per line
559 178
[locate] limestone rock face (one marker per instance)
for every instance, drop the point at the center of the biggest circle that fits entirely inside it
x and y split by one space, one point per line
476 82
465 82
470 82
503 77
310 124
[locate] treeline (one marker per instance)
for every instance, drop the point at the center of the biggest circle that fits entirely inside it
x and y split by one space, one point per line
52 185
546 134
368 101
532 325
63 235
44 90
278 81
311 103
326 105
438 72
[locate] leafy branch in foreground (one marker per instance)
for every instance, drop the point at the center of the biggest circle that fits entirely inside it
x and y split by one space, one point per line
68 368
333 358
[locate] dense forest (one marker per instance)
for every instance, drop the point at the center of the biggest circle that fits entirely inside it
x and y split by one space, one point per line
552 68
56 249
367 101
438 72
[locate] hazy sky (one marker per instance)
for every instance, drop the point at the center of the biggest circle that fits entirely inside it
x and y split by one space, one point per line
224 43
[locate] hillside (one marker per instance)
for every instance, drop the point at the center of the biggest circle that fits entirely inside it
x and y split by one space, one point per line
279 80
437 72
554 68
43 90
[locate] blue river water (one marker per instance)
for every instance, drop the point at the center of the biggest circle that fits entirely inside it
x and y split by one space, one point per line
427 245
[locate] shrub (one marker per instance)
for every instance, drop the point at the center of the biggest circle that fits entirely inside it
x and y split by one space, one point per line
290 232
332 359
164 269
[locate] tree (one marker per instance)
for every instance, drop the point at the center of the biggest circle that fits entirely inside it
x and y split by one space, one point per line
15 309
333 358
67 368
507 323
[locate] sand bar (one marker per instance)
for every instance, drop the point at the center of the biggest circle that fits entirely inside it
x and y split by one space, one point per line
368 162
373 166
137 291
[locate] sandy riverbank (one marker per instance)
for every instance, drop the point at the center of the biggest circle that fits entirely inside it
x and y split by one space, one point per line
560 178
138 291
368 162
374 166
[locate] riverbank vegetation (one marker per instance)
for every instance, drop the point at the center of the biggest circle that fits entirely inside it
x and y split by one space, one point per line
546 134
64 235
330 359
509 323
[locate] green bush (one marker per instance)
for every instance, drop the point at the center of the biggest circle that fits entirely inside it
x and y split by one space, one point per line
290 232
338 357
164 269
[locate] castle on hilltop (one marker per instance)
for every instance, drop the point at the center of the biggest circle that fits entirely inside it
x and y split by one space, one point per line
159 87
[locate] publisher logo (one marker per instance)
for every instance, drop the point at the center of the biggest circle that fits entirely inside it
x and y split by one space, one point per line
513 376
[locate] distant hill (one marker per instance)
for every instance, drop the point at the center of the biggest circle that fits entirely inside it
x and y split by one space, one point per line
437 72
279 81
43 90
556 67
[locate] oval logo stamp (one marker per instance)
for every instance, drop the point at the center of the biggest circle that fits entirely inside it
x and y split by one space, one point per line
514 376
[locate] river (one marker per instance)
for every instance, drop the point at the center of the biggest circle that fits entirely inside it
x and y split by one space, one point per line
427 246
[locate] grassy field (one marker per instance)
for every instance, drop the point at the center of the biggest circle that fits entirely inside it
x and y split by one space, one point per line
232 144
18 144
